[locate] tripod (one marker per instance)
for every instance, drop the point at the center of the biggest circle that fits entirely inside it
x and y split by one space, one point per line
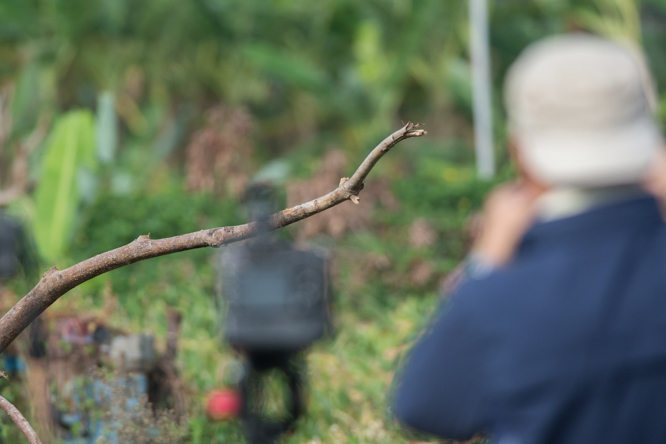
258 428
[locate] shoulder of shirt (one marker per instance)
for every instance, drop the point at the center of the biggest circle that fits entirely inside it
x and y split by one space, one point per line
499 285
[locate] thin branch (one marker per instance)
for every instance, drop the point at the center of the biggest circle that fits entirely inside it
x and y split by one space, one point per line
56 283
20 421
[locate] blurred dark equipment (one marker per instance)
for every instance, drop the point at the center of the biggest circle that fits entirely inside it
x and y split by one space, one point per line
277 301
8 247
15 251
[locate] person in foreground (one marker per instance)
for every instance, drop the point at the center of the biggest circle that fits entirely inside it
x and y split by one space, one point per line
558 332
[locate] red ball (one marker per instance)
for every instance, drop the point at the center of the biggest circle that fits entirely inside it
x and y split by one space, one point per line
223 404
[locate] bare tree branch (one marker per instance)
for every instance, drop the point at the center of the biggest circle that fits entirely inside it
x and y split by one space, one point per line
20 421
56 283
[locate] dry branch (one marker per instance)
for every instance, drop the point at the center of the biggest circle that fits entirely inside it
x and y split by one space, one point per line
56 283
20 421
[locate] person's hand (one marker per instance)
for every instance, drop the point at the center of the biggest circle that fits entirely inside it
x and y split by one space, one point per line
508 212
655 182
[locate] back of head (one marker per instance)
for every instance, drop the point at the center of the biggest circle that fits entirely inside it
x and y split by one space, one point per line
580 110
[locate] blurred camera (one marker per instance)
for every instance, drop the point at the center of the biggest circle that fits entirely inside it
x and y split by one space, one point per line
276 301
276 297
10 235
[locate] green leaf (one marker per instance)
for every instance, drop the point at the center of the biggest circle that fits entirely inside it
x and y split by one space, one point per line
459 77
25 106
70 150
288 67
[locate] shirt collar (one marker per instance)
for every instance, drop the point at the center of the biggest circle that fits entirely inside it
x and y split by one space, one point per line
561 203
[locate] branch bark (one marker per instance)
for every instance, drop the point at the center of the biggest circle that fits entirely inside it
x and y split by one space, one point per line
56 283
20 421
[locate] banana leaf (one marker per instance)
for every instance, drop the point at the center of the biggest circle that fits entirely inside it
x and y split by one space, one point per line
70 153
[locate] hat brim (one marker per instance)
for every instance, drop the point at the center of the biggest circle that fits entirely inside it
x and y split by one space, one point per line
591 158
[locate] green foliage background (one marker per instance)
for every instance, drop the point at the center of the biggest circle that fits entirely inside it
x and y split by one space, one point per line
313 75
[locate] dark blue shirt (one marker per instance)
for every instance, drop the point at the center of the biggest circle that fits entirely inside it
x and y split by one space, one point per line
566 344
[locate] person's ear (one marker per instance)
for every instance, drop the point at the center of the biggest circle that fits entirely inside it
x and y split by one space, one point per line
524 173
514 153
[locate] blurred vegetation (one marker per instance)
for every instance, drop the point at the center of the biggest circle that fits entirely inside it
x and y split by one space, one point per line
163 111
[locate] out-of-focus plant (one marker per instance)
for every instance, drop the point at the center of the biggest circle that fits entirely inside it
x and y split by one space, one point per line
66 178
613 18
106 127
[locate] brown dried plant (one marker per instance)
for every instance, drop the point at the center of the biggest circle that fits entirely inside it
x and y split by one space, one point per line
218 155
14 180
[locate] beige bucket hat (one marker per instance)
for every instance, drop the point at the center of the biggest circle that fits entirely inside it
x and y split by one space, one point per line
580 108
